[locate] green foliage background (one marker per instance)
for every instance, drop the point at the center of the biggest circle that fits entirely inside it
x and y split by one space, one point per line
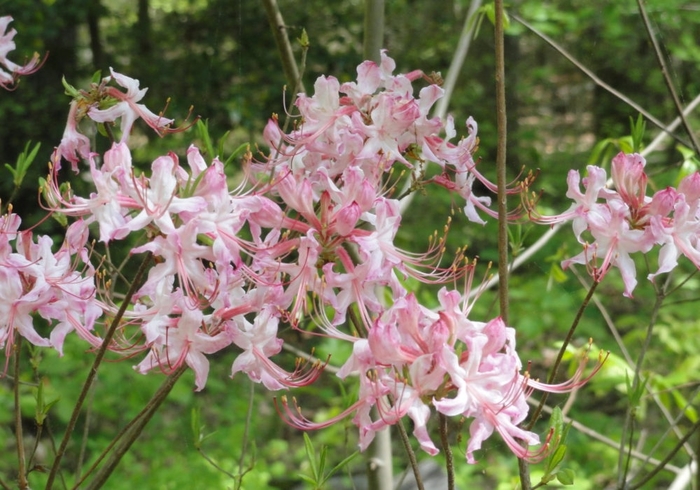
220 56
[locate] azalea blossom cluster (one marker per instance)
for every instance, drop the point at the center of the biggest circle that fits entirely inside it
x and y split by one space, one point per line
624 220
306 241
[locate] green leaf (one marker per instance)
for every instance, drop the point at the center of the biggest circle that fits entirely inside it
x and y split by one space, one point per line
307 479
637 129
311 455
556 457
341 464
690 164
626 144
304 39
600 150
42 407
490 11
566 476
202 128
220 144
322 463
244 147
24 161
196 428
71 91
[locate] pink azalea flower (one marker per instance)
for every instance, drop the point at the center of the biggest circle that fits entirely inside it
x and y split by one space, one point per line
127 108
74 145
14 71
185 339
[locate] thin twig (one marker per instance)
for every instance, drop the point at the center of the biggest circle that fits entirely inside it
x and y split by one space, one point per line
672 427
246 428
628 358
215 465
449 462
86 432
21 462
562 350
660 295
598 81
667 76
107 449
606 440
668 458
133 433
411 455
93 370
502 135
501 164
670 128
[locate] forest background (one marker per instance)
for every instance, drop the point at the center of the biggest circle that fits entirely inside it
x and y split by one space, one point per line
220 57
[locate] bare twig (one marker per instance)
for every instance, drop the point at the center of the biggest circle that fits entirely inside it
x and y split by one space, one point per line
598 81
670 128
628 358
135 430
668 458
562 350
93 370
627 426
502 135
667 76
449 462
411 455
19 437
605 440
242 470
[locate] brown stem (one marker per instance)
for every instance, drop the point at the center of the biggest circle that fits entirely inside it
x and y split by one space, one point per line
501 165
279 31
21 462
502 129
562 350
411 455
93 371
449 461
135 430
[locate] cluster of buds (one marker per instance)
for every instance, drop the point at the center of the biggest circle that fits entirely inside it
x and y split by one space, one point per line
307 240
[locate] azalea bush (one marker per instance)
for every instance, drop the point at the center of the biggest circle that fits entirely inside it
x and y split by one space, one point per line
299 245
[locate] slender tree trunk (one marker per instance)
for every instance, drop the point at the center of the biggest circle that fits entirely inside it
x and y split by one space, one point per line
374 30
144 61
143 35
93 22
279 31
